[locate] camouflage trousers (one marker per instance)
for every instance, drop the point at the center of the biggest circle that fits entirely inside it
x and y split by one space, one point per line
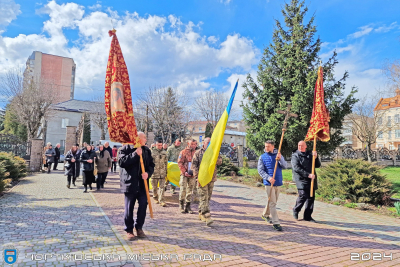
205 193
158 185
187 185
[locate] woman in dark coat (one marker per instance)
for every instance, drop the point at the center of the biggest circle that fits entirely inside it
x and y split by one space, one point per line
102 164
50 154
72 157
87 158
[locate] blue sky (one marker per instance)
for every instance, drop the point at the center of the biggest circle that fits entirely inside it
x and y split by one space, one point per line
193 45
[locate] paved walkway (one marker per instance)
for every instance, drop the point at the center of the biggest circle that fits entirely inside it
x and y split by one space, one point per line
41 216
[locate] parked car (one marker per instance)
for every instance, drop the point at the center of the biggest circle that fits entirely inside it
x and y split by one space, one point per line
62 157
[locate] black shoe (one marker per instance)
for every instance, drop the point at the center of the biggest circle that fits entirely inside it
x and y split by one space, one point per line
277 227
295 215
310 220
85 191
102 186
90 187
68 185
74 184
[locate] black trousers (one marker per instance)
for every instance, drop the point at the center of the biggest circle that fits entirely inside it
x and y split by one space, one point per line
130 200
114 166
304 198
101 178
48 167
55 163
69 179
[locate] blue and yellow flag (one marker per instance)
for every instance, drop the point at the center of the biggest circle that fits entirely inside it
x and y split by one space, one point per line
210 157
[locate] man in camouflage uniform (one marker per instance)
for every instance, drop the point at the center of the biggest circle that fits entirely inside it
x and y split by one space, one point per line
173 154
205 191
160 173
187 181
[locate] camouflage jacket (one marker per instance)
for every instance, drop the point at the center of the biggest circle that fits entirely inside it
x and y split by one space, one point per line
173 152
161 163
197 158
185 157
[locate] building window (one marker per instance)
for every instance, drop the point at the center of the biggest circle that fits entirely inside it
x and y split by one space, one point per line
380 145
390 134
199 128
391 147
397 133
64 123
397 118
62 143
380 135
389 121
380 121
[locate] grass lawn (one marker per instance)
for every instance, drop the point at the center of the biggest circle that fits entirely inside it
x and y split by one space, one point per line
393 175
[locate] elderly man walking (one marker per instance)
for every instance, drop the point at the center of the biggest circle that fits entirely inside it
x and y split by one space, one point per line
57 156
187 181
204 192
173 154
132 183
266 166
301 169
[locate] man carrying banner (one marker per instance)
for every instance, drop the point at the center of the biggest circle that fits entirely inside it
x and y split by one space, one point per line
173 154
266 164
187 182
204 192
160 173
132 183
302 174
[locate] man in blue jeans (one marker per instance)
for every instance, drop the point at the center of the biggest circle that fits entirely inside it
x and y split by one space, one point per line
132 183
266 166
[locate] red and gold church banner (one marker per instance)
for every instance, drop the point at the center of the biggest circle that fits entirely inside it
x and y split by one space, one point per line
319 124
118 99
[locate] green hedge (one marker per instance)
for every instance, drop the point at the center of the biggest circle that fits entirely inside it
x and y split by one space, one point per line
14 166
226 167
3 176
355 180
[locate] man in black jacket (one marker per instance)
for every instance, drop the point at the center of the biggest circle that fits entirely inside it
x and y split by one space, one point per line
57 157
132 183
302 168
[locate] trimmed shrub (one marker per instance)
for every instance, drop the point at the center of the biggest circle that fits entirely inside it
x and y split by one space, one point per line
14 166
226 167
3 176
355 180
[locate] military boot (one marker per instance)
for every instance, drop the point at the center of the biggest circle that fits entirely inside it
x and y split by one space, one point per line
202 218
181 208
187 208
209 221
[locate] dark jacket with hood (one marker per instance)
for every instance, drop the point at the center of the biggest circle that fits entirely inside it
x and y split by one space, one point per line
131 172
302 167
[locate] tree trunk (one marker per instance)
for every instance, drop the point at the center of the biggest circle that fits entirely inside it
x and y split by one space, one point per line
368 154
103 134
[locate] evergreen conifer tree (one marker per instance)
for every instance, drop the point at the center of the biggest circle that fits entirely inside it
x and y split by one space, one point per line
288 73
86 129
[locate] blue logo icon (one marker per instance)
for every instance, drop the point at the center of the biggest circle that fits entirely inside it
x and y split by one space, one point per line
10 256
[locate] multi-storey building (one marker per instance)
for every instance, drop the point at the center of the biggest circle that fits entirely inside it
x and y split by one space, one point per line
55 72
390 118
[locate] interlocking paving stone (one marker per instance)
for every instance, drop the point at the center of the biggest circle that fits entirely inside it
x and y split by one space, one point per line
243 238
41 215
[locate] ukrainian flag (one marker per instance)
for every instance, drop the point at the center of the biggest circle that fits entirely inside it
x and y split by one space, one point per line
210 157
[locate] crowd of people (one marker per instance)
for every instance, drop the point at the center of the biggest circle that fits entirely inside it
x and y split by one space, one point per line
97 161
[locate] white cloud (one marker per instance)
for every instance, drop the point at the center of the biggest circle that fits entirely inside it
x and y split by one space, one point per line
385 28
364 31
159 51
9 11
96 6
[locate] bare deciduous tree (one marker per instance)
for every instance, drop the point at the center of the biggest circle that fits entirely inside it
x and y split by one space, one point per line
30 99
367 124
211 105
99 117
392 71
167 112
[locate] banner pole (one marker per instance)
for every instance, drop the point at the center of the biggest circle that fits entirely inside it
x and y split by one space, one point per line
313 167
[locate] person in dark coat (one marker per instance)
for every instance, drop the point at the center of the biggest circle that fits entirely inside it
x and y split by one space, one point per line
50 154
301 170
78 166
72 168
108 148
132 183
102 164
57 157
87 158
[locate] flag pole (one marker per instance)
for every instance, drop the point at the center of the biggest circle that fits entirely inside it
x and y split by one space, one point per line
145 181
276 163
313 166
